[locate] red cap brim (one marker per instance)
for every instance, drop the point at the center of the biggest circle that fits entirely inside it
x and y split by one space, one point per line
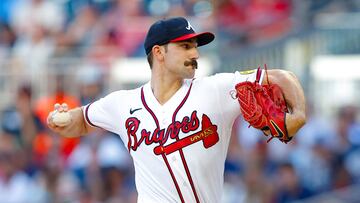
201 38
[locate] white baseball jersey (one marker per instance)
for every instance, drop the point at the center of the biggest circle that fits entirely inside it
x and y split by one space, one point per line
178 148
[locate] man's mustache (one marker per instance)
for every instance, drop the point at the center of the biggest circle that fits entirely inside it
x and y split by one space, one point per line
192 63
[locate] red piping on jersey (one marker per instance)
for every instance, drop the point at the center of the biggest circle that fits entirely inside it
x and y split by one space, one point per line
163 155
181 151
87 116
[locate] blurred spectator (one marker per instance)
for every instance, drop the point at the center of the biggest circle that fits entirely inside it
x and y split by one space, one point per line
7 40
289 187
80 33
38 46
232 21
115 166
35 22
44 14
352 164
257 187
163 7
105 50
112 153
334 6
20 120
60 185
113 185
15 185
312 150
347 148
198 8
319 161
91 79
268 19
72 8
159 8
84 165
354 124
253 21
233 190
341 176
128 24
102 165
317 130
348 129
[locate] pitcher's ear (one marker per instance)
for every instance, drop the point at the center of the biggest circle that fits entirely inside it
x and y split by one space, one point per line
158 52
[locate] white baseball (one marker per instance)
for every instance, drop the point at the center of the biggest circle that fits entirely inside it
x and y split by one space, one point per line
61 118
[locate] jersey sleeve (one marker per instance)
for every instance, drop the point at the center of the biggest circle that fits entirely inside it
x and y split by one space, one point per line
225 87
104 113
225 82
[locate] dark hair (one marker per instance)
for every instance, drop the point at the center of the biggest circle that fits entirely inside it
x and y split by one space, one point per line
150 59
150 56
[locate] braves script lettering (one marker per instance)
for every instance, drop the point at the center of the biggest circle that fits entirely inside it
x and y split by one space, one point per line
188 124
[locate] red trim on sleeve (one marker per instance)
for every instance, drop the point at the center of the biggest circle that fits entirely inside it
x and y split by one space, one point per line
87 116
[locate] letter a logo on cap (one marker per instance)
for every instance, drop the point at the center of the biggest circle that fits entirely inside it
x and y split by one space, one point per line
189 26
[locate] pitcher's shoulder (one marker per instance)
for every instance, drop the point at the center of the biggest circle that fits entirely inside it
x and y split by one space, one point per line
217 77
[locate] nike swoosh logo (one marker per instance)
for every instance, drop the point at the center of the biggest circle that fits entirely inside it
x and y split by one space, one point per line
278 130
133 110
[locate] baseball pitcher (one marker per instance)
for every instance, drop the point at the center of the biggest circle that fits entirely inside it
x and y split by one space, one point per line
176 127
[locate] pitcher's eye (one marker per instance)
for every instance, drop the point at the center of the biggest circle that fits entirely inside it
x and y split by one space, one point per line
185 46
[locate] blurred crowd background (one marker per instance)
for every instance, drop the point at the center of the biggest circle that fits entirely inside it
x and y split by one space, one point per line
65 50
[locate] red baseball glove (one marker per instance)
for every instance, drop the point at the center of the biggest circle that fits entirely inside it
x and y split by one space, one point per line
264 107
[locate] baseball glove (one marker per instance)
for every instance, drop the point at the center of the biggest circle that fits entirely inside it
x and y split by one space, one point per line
264 107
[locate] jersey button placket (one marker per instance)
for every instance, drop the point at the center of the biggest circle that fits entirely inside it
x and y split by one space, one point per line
163 121
163 117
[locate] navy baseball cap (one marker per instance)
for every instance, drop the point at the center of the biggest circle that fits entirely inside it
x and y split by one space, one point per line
174 30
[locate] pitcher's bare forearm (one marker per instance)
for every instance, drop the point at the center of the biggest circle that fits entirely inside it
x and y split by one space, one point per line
294 96
77 127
